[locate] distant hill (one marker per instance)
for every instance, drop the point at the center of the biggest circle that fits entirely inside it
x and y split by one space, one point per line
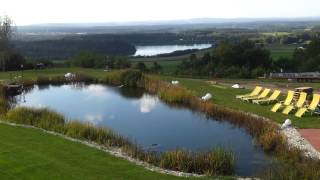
65 29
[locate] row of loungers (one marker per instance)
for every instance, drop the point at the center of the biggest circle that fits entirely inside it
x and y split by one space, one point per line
260 96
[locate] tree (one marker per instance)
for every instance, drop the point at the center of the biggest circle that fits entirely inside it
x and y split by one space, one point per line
14 61
5 37
140 66
307 59
156 68
89 60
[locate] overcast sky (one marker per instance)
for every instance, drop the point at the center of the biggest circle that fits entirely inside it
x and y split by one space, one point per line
25 12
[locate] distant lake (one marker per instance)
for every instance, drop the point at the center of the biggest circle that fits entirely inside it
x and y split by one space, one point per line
162 49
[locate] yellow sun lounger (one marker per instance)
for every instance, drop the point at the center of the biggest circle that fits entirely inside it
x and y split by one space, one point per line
264 94
255 92
299 104
286 102
311 108
274 96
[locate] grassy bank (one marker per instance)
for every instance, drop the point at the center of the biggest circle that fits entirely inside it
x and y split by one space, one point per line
225 96
33 154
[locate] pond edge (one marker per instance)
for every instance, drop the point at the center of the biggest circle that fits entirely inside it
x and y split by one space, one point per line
117 152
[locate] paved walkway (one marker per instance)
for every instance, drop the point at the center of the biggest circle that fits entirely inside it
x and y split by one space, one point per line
312 135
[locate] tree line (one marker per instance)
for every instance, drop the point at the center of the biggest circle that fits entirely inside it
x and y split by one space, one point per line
304 59
243 59
248 60
67 48
93 60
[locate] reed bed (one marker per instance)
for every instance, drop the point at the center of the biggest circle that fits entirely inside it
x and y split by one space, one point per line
84 78
4 106
114 77
128 78
42 118
43 80
27 82
58 80
214 162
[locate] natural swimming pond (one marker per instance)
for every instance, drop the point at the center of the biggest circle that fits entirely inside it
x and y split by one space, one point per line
163 49
148 121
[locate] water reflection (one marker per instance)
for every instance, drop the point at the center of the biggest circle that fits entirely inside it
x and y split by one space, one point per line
131 93
148 103
93 118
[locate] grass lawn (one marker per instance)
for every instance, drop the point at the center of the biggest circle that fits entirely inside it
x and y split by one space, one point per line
32 154
281 83
167 66
279 50
226 97
32 74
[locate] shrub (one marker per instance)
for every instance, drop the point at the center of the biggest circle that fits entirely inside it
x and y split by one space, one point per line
175 95
58 80
140 66
27 82
42 80
258 72
79 77
114 77
131 78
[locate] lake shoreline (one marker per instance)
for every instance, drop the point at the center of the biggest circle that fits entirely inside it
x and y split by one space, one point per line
156 50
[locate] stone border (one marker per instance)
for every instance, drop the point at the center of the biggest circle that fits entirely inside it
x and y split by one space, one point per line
295 140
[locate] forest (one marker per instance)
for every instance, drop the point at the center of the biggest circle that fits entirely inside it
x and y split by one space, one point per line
67 48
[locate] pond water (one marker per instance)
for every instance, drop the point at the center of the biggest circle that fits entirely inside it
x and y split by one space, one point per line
146 120
163 49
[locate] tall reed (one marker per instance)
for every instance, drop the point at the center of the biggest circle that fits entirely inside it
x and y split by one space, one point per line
215 162
4 106
42 118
